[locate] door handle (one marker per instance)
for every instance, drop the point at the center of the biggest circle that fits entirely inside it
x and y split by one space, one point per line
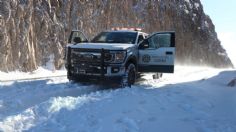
169 53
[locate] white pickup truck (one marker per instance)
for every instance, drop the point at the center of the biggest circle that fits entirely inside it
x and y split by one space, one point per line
119 55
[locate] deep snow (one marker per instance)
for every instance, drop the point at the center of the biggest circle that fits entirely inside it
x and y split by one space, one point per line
191 100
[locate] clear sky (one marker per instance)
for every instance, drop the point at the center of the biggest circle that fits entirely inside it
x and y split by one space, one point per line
223 15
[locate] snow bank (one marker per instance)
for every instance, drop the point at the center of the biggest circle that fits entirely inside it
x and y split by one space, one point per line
40 72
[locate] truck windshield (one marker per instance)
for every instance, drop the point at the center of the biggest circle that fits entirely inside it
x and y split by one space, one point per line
115 37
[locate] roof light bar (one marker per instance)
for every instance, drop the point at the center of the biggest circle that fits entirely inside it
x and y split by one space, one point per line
122 28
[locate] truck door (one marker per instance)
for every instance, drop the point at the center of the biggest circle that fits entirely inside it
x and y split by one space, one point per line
157 53
77 36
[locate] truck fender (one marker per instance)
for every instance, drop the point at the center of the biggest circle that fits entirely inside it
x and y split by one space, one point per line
131 59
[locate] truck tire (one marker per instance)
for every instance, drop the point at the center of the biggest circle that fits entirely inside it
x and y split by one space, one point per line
130 75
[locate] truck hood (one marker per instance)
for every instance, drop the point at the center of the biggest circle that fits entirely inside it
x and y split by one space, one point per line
108 46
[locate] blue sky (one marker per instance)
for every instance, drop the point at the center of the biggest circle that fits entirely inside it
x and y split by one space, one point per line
223 15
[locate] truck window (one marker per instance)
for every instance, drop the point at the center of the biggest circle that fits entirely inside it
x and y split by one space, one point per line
77 34
159 40
115 37
140 38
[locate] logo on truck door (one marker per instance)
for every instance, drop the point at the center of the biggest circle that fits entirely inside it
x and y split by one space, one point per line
146 58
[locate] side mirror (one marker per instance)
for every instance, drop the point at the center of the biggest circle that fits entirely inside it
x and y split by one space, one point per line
144 44
77 40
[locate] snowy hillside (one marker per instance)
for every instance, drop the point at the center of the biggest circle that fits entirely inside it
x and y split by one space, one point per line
32 32
191 100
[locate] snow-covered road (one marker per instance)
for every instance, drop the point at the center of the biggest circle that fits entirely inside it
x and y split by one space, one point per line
191 100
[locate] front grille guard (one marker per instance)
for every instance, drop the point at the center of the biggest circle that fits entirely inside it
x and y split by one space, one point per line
102 62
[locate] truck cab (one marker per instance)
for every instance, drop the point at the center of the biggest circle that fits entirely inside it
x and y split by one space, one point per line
118 55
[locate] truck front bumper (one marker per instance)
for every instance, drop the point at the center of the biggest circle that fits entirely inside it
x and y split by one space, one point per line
92 78
110 73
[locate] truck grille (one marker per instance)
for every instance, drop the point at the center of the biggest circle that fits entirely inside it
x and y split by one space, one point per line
86 62
78 57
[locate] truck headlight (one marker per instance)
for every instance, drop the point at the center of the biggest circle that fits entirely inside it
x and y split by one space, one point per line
119 56
115 56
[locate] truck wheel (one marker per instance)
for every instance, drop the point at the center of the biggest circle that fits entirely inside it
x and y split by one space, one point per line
130 75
